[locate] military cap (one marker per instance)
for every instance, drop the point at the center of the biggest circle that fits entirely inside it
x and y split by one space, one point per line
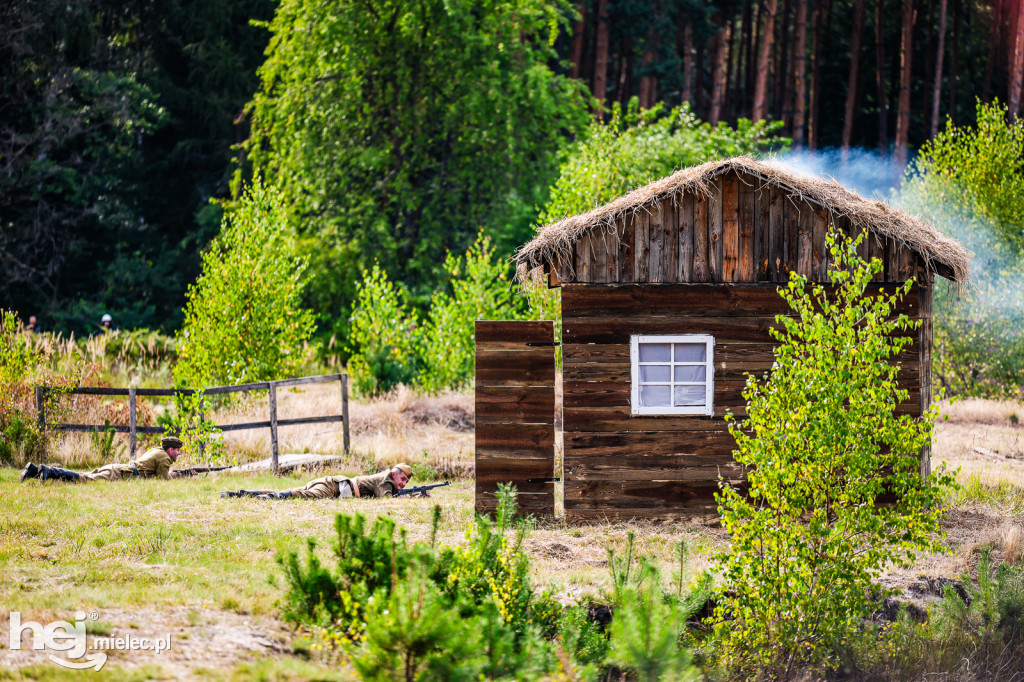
171 442
406 468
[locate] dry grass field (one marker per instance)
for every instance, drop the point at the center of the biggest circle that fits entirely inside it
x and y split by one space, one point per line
155 558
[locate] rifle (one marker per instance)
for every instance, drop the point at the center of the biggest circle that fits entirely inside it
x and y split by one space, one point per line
420 489
194 471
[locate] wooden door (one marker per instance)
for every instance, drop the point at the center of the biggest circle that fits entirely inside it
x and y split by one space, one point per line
515 413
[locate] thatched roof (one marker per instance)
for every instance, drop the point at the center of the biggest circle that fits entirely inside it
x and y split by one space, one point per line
876 216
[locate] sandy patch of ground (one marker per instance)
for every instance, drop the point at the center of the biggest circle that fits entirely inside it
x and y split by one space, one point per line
200 639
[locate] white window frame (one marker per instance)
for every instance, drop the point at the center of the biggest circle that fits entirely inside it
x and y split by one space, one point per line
708 408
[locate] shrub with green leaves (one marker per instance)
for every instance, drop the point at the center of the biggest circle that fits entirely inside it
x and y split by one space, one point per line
383 335
480 290
975 632
834 491
200 437
969 181
418 612
243 318
388 343
635 147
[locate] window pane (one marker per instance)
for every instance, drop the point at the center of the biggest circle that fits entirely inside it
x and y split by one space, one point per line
691 372
654 373
690 395
654 352
655 396
691 352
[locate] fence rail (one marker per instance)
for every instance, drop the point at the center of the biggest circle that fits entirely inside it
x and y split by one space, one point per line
133 429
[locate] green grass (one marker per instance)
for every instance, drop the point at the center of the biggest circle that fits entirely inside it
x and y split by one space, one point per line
133 550
148 543
1002 496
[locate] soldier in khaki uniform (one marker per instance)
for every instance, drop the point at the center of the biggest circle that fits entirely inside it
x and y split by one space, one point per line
382 484
155 463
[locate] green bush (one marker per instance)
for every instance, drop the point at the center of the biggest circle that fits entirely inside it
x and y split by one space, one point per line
243 318
383 336
979 638
970 183
834 493
402 611
492 567
635 147
388 343
480 290
200 436
992 616
104 444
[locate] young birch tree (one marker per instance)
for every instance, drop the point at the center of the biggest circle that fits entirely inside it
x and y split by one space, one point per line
834 493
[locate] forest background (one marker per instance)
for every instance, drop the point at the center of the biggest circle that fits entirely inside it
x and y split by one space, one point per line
398 131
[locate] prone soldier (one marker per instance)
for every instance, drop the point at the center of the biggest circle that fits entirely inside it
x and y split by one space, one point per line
155 463
382 484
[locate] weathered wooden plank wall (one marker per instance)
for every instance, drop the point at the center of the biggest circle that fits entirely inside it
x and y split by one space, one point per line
515 413
744 231
696 264
621 466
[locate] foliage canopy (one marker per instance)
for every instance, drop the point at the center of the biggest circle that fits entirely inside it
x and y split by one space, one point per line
400 129
635 147
243 319
969 181
834 489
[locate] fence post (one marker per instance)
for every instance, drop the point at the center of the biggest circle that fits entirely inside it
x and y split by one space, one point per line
273 425
133 422
41 409
344 413
202 419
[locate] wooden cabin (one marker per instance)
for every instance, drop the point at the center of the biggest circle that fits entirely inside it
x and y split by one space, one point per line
667 297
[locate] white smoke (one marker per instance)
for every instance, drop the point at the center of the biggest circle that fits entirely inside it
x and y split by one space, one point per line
871 174
998 276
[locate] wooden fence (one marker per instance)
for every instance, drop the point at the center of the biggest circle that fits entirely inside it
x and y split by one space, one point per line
133 429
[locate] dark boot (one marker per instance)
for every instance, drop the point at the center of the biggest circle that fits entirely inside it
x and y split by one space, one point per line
57 474
275 496
30 471
243 493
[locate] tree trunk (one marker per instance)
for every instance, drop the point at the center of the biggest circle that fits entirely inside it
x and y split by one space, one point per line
1017 70
782 81
730 64
688 50
799 73
624 89
954 49
741 95
883 93
852 76
763 60
903 115
600 88
993 47
579 28
718 68
701 97
821 20
940 54
652 45
753 50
